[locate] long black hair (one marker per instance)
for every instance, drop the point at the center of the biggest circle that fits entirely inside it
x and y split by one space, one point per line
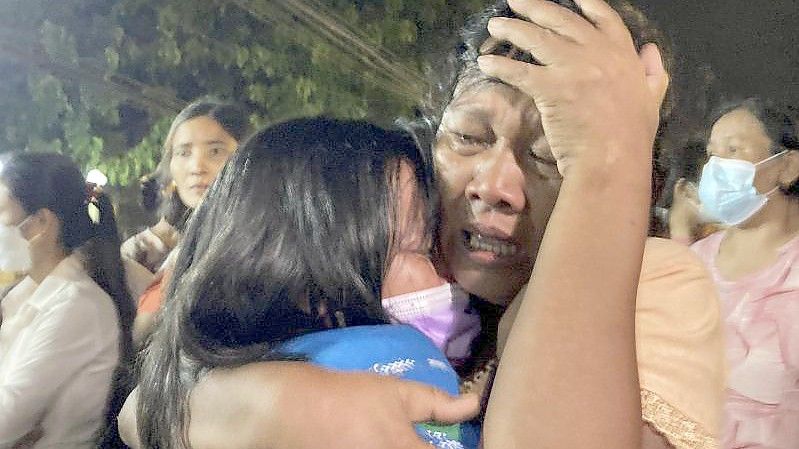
158 193
300 221
52 181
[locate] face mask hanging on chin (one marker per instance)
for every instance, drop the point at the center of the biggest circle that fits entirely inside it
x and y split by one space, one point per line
15 254
442 313
727 192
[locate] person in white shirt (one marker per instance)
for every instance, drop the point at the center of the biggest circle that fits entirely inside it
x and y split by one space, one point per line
65 335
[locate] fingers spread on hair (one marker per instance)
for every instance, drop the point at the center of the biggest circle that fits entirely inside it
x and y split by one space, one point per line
554 17
527 77
543 44
599 12
605 18
656 76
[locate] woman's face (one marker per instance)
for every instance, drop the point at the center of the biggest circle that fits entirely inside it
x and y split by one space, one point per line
11 212
498 183
740 135
200 147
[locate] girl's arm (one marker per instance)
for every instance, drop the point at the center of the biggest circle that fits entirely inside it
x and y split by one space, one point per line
298 406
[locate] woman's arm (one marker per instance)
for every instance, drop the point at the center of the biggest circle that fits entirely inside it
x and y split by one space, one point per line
679 348
568 375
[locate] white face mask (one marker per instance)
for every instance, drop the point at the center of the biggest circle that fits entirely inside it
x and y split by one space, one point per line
15 251
727 191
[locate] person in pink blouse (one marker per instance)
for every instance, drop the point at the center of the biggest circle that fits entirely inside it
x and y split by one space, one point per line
749 184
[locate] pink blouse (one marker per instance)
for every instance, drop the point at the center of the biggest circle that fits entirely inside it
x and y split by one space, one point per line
761 316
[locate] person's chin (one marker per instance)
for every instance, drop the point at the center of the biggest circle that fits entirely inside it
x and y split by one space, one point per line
497 287
191 200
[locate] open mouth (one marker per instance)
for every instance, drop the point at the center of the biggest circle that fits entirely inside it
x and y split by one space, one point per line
498 247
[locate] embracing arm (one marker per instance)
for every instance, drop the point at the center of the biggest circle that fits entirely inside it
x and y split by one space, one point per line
568 378
296 405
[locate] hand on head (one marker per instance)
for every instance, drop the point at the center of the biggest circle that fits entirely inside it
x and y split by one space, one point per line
588 70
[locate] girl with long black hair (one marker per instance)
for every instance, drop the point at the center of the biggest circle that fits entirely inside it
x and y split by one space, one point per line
300 234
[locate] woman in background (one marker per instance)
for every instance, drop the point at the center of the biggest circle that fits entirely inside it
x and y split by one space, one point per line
750 185
201 139
65 338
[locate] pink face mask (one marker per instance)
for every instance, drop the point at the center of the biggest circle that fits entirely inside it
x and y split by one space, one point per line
442 313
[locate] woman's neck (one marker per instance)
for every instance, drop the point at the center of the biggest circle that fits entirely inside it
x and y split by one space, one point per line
754 246
44 262
775 224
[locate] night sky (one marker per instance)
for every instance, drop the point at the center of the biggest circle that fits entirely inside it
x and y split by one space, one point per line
752 47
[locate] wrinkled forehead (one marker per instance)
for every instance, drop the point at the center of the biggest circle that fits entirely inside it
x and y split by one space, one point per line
477 92
471 77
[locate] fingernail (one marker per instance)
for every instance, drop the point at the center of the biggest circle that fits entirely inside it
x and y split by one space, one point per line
496 22
485 62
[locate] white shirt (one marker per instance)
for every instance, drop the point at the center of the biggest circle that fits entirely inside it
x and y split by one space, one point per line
58 351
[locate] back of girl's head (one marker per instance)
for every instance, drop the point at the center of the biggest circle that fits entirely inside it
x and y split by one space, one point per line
779 124
300 219
53 182
303 211
156 190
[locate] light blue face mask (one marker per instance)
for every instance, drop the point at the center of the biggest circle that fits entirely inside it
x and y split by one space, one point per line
727 191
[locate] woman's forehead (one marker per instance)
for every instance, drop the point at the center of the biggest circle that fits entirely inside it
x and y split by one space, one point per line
484 98
738 124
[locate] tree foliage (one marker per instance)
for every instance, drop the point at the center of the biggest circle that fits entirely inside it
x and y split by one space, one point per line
101 80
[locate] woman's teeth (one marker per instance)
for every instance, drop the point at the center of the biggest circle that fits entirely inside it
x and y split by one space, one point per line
477 242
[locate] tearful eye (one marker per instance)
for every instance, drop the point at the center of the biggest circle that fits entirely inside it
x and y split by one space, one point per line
468 139
543 160
546 167
469 143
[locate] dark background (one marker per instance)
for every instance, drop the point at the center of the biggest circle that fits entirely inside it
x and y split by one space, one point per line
752 47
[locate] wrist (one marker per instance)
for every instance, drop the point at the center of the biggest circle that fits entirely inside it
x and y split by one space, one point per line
682 234
630 178
609 162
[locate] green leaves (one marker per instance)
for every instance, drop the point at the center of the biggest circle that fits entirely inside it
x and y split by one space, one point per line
102 80
59 44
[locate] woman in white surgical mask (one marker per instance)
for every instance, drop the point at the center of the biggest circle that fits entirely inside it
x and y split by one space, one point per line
65 335
750 184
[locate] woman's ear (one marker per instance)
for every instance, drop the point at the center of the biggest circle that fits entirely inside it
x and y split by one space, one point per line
790 170
42 223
